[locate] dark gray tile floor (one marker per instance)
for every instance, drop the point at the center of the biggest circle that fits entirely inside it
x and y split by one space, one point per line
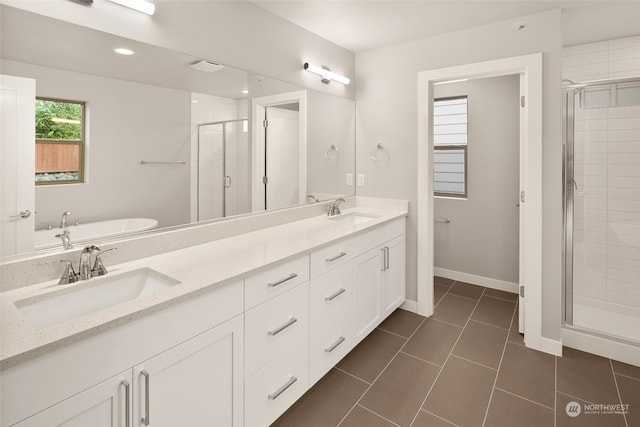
466 366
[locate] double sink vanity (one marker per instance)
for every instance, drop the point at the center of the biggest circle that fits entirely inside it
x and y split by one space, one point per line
230 332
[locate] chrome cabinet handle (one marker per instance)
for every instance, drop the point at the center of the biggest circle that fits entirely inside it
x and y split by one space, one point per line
145 419
127 398
278 392
280 282
279 329
334 296
22 214
385 258
333 258
334 345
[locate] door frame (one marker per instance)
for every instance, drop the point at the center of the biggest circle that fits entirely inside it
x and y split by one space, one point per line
258 106
529 67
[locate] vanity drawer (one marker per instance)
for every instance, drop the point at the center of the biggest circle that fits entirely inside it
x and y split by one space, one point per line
324 259
330 294
277 386
329 344
274 326
275 280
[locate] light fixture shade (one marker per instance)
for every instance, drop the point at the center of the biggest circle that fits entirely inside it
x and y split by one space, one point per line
143 6
326 74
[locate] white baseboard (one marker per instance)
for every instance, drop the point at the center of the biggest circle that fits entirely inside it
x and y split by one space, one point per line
410 305
476 280
602 346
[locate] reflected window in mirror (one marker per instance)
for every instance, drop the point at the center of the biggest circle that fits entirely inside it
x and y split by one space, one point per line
60 141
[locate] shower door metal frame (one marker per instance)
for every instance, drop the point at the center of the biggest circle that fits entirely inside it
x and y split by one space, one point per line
568 173
224 163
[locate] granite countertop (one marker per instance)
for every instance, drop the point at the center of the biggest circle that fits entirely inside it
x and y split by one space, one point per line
198 268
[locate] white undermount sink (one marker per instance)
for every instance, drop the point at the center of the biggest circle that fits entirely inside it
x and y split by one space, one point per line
354 218
86 297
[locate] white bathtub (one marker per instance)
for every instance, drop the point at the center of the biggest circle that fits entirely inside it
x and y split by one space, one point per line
93 231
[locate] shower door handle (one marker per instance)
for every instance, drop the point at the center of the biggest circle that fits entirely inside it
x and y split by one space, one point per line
227 181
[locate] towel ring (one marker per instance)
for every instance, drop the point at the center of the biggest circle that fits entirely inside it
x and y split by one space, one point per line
380 153
332 152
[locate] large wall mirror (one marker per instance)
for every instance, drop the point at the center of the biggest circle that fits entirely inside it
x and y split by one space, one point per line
171 138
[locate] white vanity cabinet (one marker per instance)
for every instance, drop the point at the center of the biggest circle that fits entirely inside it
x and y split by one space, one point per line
393 274
104 405
195 374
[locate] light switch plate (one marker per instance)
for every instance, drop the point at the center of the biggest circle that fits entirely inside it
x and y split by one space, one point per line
360 180
349 179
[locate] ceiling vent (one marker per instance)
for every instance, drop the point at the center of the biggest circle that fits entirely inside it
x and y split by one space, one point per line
206 66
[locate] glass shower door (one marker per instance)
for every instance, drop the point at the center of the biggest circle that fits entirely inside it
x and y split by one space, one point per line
602 201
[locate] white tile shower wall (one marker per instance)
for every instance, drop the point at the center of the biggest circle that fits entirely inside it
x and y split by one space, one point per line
607 174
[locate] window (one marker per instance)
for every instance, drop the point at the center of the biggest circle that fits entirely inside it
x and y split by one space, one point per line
450 147
60 137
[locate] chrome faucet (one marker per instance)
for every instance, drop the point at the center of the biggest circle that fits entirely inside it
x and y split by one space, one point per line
85 262
63 221
334 209
66 239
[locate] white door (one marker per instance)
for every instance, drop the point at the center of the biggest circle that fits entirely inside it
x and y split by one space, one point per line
366 292
393 275
17 164
282 158
103 405
197 383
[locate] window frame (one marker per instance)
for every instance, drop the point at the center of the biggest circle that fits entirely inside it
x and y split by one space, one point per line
80 143
445 147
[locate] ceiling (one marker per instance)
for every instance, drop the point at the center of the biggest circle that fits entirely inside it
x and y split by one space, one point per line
359 25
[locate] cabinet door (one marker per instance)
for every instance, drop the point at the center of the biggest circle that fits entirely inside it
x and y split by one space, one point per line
197 383
393 275
366 292
103 405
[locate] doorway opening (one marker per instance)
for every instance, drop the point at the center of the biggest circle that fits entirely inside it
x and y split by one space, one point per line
529 68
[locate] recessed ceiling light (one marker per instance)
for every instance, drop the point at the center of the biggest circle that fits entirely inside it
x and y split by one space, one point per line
194 101
123 51
245 91
143 6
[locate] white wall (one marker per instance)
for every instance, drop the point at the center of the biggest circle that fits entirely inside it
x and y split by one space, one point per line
387 113
236 33
599 22
482 237
339 128
128 122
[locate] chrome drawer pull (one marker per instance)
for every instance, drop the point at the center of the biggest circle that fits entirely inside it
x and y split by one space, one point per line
127 397
334 345
283 327
334 296
280 282
278 392
145 419
333 258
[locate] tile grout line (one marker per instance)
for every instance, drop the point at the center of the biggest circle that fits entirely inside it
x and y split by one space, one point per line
489 324
555 391
446 360
378 415
378 376
351 375
439 417
420 359
474 362
392 333
495 380
615 381
627 376
524 398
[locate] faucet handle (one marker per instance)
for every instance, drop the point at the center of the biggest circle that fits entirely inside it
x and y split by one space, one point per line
69 275
98 267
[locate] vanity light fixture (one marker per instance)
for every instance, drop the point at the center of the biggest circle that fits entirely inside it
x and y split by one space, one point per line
143 6
326 74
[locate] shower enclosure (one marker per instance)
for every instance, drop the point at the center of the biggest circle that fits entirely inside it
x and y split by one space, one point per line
602 208
224 165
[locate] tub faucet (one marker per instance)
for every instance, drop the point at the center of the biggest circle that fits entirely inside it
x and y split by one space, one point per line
85 262
63 221
66 239
334 209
